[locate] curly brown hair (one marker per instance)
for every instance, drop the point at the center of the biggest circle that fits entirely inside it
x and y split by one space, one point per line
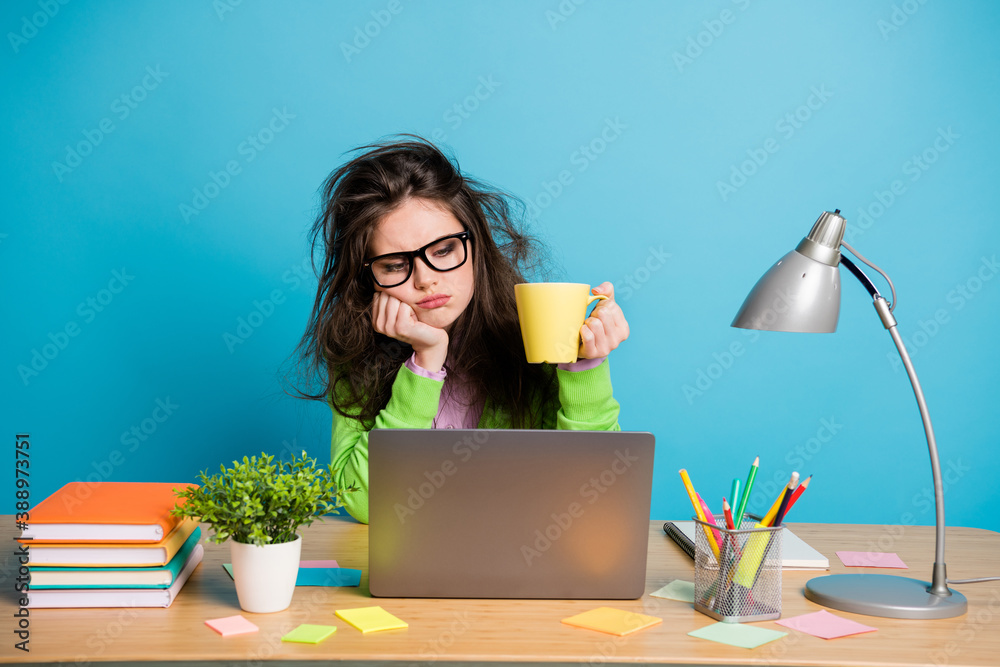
355 366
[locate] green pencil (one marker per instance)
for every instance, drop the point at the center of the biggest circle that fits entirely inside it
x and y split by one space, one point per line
735 495
738 517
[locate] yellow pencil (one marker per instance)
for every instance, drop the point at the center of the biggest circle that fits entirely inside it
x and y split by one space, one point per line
773 512
698 512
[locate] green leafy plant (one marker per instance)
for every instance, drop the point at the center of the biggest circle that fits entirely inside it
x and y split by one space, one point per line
261 502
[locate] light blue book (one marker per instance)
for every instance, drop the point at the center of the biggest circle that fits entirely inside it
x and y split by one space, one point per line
45 577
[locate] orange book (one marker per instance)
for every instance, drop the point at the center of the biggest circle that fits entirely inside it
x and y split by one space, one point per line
85 512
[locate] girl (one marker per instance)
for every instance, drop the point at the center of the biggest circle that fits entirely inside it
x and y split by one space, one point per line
415 323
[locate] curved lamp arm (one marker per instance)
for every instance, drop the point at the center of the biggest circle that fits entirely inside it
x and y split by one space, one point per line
939 582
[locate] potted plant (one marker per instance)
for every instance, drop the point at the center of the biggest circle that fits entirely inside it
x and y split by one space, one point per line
261 504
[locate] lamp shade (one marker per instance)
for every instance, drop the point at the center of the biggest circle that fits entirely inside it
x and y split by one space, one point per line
796 294
801 292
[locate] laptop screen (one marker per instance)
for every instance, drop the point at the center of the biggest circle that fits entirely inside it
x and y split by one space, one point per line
509 513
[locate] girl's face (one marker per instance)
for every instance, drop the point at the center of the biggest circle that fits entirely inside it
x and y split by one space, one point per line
436 297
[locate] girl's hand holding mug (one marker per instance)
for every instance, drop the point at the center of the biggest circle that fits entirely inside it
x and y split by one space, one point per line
555 327
395 319
606 328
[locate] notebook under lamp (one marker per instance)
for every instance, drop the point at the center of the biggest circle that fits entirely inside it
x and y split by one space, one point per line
475 513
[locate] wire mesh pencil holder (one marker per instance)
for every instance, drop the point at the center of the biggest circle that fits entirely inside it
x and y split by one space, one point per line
739 580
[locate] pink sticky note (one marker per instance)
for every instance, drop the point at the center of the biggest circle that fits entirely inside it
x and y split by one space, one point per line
318 563
825 625
232 625
871 559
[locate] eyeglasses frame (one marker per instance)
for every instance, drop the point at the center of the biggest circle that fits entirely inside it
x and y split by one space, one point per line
412 255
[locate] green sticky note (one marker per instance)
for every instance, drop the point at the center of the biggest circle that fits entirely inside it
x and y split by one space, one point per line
229 569
676 590
737 634
309 634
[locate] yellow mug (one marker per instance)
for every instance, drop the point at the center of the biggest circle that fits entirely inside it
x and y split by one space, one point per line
551 315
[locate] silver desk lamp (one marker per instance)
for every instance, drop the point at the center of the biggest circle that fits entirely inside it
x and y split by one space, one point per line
801 292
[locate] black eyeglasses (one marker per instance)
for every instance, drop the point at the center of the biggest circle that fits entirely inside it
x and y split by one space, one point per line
446 254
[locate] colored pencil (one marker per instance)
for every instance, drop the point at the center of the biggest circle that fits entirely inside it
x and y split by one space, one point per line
710 518
729 515
747 488
789 490
698 511
727 510
773 512
735 495
798 492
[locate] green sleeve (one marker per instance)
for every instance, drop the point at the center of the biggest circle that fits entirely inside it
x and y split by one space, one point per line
585 401
413 404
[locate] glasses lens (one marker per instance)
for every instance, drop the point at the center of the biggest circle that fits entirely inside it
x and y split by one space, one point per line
392 270
446 254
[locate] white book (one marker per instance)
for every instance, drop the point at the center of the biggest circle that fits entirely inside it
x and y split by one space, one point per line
94 532
114 597
795 553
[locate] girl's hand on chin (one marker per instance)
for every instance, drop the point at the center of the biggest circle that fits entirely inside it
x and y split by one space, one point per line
395 319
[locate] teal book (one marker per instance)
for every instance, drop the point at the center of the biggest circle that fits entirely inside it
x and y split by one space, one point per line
115 577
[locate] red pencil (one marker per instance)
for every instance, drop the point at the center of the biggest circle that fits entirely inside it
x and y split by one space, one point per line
729 515
728 511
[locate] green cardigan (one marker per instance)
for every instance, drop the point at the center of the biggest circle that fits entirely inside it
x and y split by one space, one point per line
585 404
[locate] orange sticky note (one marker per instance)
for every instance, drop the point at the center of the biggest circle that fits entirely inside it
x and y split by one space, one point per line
613 621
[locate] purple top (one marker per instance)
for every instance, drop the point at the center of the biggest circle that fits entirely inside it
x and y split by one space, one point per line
454 408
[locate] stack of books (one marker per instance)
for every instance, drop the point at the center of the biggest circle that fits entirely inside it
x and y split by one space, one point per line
109 544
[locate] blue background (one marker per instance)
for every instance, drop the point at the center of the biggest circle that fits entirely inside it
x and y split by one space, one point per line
847 96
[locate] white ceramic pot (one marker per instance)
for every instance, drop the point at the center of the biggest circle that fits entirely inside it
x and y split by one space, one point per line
265 576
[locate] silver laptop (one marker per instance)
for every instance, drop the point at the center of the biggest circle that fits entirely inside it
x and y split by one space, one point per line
508 513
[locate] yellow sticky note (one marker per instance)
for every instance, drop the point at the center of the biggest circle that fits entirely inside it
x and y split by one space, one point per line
371 619
613 621
309 634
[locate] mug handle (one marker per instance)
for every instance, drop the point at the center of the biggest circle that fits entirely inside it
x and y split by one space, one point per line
595 297
592 299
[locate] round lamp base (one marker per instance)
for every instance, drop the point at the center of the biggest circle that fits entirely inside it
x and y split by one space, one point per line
884 595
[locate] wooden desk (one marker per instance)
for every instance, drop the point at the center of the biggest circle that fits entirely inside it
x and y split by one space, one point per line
459 632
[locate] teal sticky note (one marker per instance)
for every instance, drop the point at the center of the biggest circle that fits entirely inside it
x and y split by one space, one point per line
320 576
737 634
328 576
